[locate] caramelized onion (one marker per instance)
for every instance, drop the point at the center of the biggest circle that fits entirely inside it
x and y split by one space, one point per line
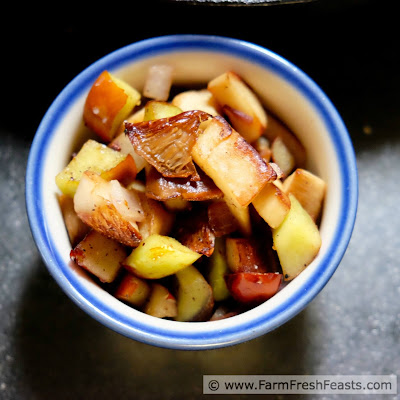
167 143
109 208
221 220
194 232
160 188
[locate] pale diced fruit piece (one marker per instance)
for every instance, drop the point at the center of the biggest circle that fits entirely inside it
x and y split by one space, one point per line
309 190
233 164
282 156
240 103
75 227
99 255
159 256
93 156
297 240
276 128
262 146
272 204
161 304
157 220
122 144
158 82
217 270
243 123
109 208
109 101
197 100
159 109
133 290
195 297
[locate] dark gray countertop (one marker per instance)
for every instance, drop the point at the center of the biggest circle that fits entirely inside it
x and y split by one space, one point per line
51 349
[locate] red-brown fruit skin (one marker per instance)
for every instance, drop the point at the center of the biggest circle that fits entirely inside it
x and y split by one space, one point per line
103 103
253 287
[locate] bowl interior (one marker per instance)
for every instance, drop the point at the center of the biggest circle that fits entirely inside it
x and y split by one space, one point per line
286 91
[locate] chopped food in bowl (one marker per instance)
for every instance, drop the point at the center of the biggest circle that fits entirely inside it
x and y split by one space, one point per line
195 203
240 186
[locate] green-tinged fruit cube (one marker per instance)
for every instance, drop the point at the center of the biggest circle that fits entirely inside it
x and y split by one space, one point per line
297 240
93 156
159 109
159 256
195 296
218 268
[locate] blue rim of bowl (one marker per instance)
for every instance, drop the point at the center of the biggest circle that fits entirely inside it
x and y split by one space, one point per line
213 336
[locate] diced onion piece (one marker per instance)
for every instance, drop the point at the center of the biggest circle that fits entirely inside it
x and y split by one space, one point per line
162 189
158 82
109 208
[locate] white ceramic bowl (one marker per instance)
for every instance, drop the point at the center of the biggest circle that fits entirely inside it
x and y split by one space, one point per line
286 90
